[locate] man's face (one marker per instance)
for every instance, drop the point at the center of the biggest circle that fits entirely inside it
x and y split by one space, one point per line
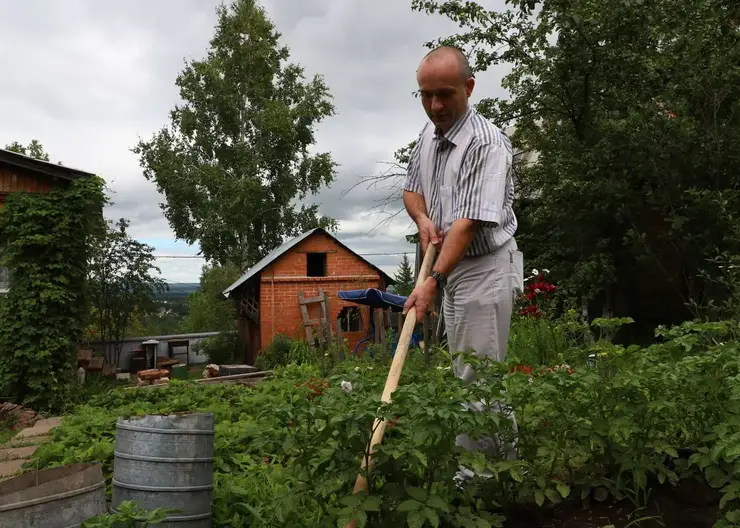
444 93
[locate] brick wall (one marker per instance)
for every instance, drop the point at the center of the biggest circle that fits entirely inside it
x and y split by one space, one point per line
284 278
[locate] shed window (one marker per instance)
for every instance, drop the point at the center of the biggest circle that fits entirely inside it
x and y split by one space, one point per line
350 319
316 264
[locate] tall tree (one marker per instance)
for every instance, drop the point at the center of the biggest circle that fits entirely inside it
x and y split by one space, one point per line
121 283
633 109
235 157
404 277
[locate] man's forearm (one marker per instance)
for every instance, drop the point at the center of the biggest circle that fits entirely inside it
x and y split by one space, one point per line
456 241
415 205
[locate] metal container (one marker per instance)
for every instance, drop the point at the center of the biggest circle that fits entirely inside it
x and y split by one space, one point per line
166 461
61 497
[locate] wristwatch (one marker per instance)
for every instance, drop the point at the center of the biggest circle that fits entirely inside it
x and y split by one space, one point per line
437 276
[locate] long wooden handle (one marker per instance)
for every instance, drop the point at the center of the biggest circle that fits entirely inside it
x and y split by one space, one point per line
394 374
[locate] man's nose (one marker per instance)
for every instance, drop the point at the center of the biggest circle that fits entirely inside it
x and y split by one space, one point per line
437 104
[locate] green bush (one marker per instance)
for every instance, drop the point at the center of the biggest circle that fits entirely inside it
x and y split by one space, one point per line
220 349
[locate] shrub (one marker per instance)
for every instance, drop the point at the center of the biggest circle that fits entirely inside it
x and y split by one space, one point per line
220 349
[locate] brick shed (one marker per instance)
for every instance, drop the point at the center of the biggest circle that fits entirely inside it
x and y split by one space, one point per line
267 294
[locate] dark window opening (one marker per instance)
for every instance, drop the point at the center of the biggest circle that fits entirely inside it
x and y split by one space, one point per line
350 319
316 264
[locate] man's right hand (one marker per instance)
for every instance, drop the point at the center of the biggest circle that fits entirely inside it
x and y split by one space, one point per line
428 232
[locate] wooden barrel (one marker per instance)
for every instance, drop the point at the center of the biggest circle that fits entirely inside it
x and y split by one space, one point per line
61 497
166 461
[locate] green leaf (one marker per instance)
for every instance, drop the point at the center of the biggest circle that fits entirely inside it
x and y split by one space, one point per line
432 516
409 505
539 497
436 502
552 495
417 493
601 494
371 503
415 519
563 489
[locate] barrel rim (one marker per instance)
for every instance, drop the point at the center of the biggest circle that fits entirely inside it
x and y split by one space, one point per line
162 489
168 460
50 498
155 430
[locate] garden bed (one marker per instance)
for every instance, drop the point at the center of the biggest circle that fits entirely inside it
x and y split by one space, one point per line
287 450
690 504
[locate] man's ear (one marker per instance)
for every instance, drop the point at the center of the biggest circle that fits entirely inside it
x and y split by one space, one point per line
469 86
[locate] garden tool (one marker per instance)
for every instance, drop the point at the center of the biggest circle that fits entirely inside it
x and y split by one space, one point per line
394 374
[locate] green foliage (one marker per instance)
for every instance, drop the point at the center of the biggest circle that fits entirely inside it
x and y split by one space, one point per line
121 283
129 515
236 154
208 309
404 277
633 110
34 149
220 349
47 243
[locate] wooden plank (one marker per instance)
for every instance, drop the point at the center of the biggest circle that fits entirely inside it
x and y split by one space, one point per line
306 321
340 341
325 312
311 300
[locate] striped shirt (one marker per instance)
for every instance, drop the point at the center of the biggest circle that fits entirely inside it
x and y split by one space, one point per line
466 173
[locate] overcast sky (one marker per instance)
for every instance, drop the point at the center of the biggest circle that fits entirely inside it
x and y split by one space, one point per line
88 77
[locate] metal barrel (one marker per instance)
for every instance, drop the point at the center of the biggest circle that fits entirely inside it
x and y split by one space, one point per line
61 497
166 461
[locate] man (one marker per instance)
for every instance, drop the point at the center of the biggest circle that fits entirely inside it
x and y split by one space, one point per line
459 191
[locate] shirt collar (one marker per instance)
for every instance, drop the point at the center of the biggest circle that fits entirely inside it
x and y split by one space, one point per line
454 131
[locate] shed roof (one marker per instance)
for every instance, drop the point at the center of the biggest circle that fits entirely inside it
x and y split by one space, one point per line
40 166
278 252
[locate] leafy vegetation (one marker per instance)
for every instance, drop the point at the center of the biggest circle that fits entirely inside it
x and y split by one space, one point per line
596 422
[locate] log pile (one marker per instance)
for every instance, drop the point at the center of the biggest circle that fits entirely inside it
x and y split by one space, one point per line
152 377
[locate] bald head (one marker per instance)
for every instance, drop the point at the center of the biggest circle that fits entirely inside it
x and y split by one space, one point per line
449 58
445 84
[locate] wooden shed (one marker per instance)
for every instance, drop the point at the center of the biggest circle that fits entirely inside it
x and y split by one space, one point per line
313 265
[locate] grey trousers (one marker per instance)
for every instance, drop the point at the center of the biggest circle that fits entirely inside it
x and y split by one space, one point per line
477 305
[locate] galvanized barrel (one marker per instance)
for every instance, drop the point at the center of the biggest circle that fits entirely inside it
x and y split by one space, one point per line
166 461
61 497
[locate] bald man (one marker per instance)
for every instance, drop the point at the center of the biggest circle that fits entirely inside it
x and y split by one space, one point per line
459 191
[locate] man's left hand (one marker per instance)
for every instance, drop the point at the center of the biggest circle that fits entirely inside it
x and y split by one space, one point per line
422 298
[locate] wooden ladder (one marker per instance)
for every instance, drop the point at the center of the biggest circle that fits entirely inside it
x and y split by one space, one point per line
325 333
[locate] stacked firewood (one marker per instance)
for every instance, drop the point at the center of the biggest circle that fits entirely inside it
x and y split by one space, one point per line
152 377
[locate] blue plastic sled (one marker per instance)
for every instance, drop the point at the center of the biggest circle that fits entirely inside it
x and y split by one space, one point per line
377 299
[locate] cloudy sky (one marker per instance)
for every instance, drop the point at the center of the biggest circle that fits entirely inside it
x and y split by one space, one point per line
87 78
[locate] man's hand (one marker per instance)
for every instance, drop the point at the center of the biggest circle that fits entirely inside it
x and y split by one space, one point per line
422 298
428 232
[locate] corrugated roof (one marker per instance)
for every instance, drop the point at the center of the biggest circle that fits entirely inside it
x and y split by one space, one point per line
41 166
284 248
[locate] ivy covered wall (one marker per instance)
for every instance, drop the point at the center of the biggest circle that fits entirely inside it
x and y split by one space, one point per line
46 240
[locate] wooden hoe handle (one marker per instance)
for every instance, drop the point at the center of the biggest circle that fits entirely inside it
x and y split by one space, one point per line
394 374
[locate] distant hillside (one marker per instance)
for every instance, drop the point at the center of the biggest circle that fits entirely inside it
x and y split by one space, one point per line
178 290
